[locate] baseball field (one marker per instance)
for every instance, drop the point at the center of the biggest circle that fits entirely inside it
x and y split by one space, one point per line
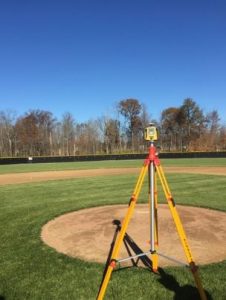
34 195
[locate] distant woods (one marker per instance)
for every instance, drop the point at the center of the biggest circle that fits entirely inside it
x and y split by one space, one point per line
39 133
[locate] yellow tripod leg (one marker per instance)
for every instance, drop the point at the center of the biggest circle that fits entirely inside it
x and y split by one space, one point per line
121 235
180 231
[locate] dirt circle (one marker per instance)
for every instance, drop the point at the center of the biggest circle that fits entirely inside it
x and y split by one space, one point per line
87 234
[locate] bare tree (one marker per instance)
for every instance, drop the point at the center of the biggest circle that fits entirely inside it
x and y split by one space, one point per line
213 122
109 134
89 137
192 122
68 132
27 135
34 133
222 137
7 133
57 139
130 109
170 128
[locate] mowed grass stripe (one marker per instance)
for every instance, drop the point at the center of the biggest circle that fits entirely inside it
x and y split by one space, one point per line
31 270
40 167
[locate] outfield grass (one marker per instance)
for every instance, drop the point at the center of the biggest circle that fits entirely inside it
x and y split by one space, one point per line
37 167
31 270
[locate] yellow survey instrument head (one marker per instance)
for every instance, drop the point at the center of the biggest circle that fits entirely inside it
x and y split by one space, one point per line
151 133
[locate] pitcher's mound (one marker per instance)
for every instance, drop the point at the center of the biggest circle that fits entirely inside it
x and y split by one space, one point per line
88 234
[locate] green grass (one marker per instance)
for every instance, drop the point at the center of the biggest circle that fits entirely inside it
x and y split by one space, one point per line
31 270
37 167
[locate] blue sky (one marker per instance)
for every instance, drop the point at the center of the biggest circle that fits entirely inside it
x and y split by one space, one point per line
83 56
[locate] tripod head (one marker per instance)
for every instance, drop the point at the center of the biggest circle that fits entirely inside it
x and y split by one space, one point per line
151 133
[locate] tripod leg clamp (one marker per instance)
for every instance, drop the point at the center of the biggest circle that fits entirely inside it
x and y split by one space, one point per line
113 263
133 198
193 267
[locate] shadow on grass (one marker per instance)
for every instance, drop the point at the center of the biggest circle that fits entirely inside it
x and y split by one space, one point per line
186 292
2 298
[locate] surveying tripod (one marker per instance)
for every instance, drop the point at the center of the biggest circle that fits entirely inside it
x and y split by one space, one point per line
153 167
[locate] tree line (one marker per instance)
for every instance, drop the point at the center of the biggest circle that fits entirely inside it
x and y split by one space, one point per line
39 133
